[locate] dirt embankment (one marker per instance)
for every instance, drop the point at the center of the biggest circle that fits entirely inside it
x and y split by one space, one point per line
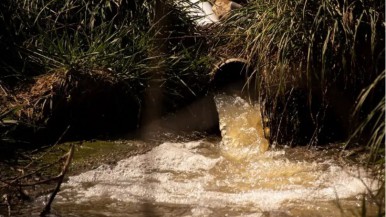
85 103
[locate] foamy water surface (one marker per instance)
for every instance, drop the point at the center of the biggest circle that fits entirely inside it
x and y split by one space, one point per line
234 177
195 176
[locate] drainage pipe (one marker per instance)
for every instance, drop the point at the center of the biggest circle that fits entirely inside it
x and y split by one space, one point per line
232 76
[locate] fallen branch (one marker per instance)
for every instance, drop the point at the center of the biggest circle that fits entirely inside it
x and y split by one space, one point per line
47 181
51 147
13 182
47 208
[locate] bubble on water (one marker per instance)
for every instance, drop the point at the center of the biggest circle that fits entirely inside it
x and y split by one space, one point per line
174 173
241 127
201 211
240 175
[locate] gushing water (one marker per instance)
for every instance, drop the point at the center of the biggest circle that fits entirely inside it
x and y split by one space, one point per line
237 177
241 127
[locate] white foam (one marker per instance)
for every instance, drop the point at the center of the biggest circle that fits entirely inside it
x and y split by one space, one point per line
201 211
238 176
174 173
241 127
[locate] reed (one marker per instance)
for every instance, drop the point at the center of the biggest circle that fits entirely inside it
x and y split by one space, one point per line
47 35
91 41
306 55
372 123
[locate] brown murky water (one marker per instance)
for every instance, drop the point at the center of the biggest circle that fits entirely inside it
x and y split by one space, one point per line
235 176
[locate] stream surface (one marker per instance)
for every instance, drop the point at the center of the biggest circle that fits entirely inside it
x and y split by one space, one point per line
236 175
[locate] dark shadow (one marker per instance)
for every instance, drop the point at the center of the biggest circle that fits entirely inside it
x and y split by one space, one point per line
234 76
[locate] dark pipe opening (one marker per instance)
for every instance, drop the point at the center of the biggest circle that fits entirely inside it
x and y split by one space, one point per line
233 76
200 115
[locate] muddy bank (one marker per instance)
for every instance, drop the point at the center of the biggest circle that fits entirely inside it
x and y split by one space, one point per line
74 103
19 174
20 171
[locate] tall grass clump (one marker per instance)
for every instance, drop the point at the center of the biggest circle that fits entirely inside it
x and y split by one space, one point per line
371 130
312 60
86 34
131 38
65 53
73 34
181 62
55 51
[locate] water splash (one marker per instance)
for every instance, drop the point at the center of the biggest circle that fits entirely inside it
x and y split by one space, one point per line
241 127
196 176
237 176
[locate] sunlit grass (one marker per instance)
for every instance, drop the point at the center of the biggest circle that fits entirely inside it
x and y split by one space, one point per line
320 48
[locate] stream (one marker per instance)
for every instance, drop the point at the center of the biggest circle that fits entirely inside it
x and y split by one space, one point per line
235 175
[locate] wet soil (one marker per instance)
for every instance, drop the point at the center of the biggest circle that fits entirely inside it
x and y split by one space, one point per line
45 163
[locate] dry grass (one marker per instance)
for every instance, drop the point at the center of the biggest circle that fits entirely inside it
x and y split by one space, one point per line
307 57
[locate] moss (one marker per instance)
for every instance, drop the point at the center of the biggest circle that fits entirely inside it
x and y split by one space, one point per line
91 154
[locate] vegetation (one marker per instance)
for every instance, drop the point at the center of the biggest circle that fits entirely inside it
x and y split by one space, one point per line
373 123
318 66
312 60
51 51
319 69
86 35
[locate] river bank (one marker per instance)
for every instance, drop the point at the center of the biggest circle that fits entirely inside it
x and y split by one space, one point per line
198 174
114 70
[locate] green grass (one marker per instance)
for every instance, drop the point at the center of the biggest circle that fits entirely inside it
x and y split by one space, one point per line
308 55
85 35
373 123
304 53
133 43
